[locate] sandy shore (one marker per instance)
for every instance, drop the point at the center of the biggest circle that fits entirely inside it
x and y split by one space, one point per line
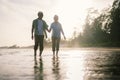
72 64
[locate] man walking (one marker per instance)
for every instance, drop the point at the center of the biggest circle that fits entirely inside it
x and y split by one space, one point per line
39 28
56 35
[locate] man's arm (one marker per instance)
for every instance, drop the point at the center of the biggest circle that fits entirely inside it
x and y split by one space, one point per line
46 28
45 25
32 30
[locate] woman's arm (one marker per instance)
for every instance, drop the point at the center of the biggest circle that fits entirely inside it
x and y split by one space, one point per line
63 33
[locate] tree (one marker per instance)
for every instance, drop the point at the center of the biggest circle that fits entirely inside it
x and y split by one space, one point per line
115 25
94 31
102 27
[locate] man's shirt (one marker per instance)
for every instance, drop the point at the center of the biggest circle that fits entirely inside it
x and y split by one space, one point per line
40 27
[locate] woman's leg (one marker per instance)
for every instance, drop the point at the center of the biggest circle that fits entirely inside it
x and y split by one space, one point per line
57 45
53 45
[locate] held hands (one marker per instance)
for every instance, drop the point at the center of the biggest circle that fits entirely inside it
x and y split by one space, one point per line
49 31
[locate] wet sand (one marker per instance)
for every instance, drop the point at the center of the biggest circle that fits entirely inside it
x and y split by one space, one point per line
72 64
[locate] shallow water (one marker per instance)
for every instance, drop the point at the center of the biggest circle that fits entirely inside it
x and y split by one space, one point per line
72 64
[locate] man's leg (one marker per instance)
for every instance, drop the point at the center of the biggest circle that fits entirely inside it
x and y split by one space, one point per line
53 45
57 45
36 45
41 43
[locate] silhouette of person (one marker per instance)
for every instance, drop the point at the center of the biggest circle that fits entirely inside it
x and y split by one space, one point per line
56 28
39 28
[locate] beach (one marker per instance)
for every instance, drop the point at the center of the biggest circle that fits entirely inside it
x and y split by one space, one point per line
72 64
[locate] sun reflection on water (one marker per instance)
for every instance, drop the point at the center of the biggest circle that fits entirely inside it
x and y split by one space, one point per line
75 66
84 64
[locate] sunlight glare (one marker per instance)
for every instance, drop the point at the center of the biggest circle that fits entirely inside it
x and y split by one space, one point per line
76 66
72 14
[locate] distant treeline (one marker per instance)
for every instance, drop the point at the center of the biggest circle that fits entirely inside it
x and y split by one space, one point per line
101 28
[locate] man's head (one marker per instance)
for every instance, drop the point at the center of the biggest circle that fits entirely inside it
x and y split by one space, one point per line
40 15
56 18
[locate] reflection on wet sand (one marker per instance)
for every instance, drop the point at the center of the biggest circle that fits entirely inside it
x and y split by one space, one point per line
40 72
71 65
92 66
56 68
105 67
38 69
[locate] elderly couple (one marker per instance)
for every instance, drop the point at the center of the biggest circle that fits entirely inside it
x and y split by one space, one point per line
39 28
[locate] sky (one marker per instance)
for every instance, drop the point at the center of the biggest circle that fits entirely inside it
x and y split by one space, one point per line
16 17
